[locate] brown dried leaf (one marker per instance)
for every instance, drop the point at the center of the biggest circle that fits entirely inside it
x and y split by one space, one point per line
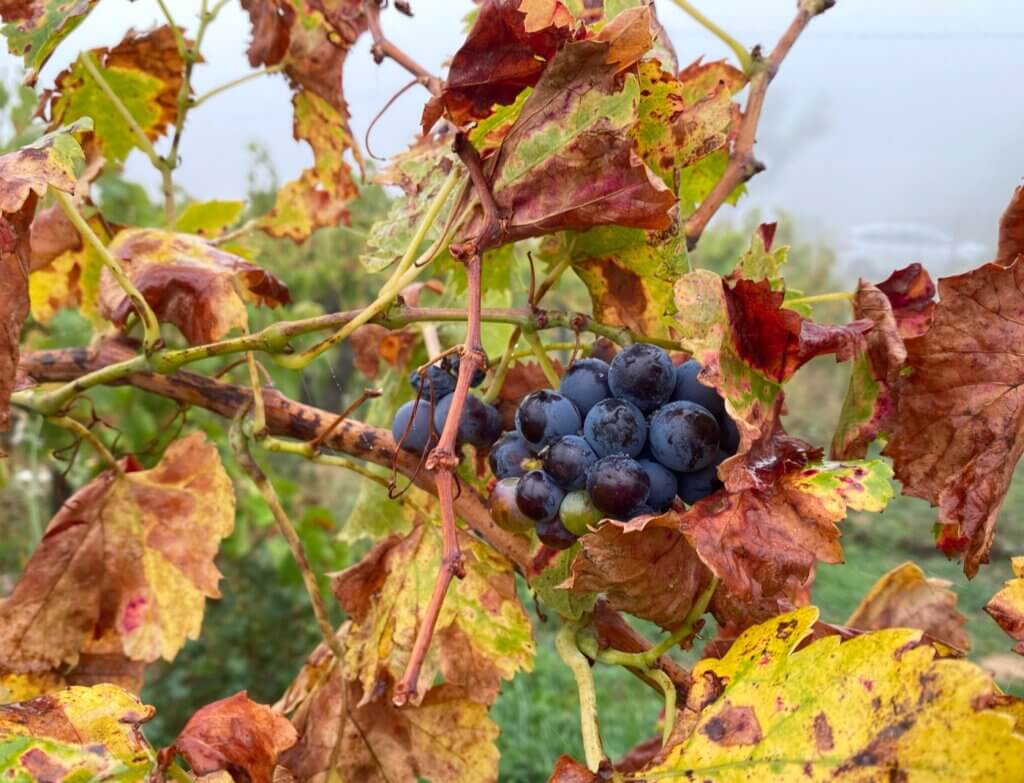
234 734
911 293
372 342
569 770
14 300
905 598
1011 230
1007 606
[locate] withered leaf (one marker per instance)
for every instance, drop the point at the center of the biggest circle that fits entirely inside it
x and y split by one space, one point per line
187 282
1007 606
905 598
14 298
1011 230
131 555
372 342
234 734
36 27
911 293
960 419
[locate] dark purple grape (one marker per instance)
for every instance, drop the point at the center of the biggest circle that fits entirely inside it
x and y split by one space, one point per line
684 436
436 383
538 496
504 509
690 389
615 427
544 416
452 363
568 460
578 513
730 435
508 455
663 484
480 424
418 436
586 383
642 374
554 534
698 484
617 485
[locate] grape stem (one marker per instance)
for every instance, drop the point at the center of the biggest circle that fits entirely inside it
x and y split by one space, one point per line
835 296
383 48
81 432
737 48
542 358
565 645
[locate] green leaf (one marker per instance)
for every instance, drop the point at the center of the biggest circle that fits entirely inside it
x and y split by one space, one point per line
559 599
36 27
209 218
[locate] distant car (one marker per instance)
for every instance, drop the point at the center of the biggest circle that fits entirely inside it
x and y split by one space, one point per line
873 250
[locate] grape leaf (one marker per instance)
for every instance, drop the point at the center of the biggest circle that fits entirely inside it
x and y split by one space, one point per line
870 708
53 160
446 738
760 262
905 598
71 280
651 573
145 71
131 554
76 734
549 585
234 734
1007 606
959 429
16 686
1011 230
386 595
35 28
209 218
187 282
506 50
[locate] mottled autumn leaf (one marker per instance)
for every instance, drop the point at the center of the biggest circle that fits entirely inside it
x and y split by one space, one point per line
959 430
145 71
881 706
54 160
548 585
371 343
911 293
234 734
71 280
760 261
651 573
130 554
905 598
76 734
16 686
506 50
1007 606
1011 230
446 738
766 542
187 282
14 296
36 27
568 161
310 41
568 770
52 234
401 571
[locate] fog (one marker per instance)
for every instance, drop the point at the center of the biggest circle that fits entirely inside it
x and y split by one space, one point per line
907 111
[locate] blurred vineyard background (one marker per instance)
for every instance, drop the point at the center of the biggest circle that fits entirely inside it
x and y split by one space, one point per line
258 634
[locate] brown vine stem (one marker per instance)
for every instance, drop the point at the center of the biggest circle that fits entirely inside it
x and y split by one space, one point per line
382 48
742 163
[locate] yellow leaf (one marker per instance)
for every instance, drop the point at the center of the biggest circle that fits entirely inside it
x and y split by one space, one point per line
878 707
1007 606
22 687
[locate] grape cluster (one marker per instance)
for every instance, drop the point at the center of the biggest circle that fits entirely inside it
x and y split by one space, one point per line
615 441
417 425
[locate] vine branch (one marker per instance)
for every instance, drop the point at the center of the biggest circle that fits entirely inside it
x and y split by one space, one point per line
383 48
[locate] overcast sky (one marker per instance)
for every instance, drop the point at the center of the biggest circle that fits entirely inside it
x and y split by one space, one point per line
885 110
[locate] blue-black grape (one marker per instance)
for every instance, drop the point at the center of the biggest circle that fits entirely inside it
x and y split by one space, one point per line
418 436
730 435
578 513
684 436
452 363
698 484
480 424
554 534
544 416
568 461
586 383
615 426
663 484
504 509
538 496
508 455
437 383
690 389
642 374
618 485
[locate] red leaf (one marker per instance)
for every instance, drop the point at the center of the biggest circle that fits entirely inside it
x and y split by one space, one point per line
911 293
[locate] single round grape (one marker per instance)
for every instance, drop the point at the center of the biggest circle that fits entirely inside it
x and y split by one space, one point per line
504 509
538 496
698 484
436 383
418 437
690 389
586 383
617 485
452 363
578 513
568 460
544 416
642 374
730 435
684 436
663 484
479 425
508 455
554 534
615 426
